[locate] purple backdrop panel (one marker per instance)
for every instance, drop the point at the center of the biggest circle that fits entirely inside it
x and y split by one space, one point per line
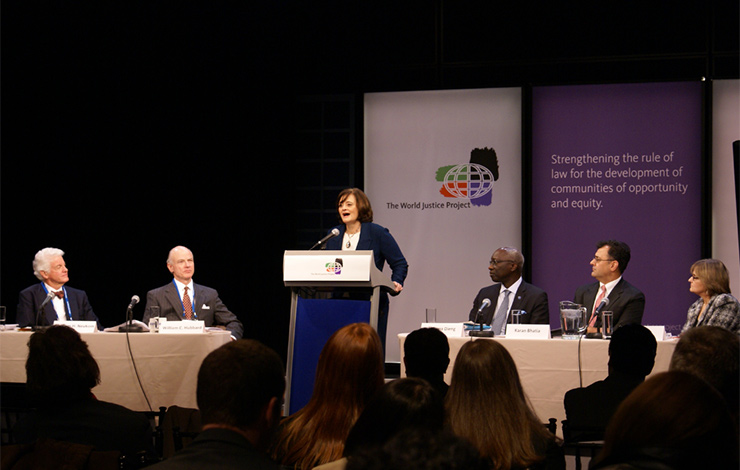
316 321
618 162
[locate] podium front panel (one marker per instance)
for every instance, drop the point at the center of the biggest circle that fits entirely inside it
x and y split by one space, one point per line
316 321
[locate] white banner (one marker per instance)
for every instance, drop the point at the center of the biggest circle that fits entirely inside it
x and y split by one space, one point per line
443 173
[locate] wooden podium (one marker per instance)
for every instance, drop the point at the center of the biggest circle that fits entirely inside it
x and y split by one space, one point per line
312 274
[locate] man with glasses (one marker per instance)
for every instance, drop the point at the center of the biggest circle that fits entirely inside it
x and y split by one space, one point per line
509 292
625 300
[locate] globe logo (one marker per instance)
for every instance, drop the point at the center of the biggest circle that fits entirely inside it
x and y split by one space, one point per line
468 180
334 267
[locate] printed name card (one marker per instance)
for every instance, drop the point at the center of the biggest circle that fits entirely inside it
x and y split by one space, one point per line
79 326
452 330
528 331
658 331
182 327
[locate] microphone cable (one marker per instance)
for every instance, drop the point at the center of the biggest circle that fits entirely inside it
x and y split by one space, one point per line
133 361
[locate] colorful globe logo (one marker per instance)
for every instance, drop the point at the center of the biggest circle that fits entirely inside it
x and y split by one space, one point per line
468 180
335 268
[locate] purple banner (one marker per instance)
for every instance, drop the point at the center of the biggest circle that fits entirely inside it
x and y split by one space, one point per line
618 162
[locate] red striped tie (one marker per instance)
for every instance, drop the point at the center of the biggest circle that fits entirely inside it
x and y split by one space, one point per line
598 301
187 304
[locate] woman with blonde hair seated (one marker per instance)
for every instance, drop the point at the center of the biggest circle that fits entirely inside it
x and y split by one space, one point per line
486 405
715 306
348 374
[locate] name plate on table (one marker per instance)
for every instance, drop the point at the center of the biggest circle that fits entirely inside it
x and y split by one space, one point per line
452 330
182 327
528 331
79 326
658 331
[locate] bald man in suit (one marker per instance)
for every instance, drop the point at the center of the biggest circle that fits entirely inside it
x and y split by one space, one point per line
505 270
182 299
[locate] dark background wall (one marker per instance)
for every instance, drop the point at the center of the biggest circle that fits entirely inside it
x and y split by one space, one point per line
131 127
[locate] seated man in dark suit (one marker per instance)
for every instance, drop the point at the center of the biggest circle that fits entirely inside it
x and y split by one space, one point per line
60 374
505 270
68 303
240 409
182 299
625 301
426 354
631 358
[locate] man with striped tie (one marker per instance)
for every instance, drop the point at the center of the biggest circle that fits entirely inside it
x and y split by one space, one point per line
626 301
183 299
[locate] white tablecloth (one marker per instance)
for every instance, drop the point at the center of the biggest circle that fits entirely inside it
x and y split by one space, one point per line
549 368
167 365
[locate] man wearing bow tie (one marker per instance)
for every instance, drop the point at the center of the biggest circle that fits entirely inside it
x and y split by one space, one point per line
509 292
182 299
63 303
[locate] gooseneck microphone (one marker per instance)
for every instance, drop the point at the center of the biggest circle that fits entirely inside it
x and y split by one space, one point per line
480 333
597 335
48 298
134 300
334 232
604 303
129 326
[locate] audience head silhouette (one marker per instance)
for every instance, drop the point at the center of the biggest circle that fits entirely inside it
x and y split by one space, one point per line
711 353
672 420
486 404
247 395
400 404
59 364
426 354
420 449
350 371
632 350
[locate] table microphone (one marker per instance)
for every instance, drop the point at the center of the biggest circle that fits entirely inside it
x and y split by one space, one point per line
129 327
480 333
48 298
604 302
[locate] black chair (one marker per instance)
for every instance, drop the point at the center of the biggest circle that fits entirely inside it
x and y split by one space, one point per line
578 441
14 405
156 419
552 425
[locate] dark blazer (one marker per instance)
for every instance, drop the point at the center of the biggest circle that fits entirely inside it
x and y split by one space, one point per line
589 409
103 425
218 449
32 297
377 238
529 298
207 306
625 300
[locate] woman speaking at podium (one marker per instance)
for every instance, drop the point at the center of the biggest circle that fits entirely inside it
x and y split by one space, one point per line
358 232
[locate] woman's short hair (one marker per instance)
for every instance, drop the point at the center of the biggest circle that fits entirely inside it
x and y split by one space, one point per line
364 209
713 273
60 365
42 260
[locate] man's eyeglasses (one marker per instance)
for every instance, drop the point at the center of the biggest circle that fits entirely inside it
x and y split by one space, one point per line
598 260
495 262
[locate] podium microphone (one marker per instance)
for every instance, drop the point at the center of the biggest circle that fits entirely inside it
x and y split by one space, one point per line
480 333
334 232
48 298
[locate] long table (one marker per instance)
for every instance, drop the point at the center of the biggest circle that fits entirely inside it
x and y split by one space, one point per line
167 365
549 368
